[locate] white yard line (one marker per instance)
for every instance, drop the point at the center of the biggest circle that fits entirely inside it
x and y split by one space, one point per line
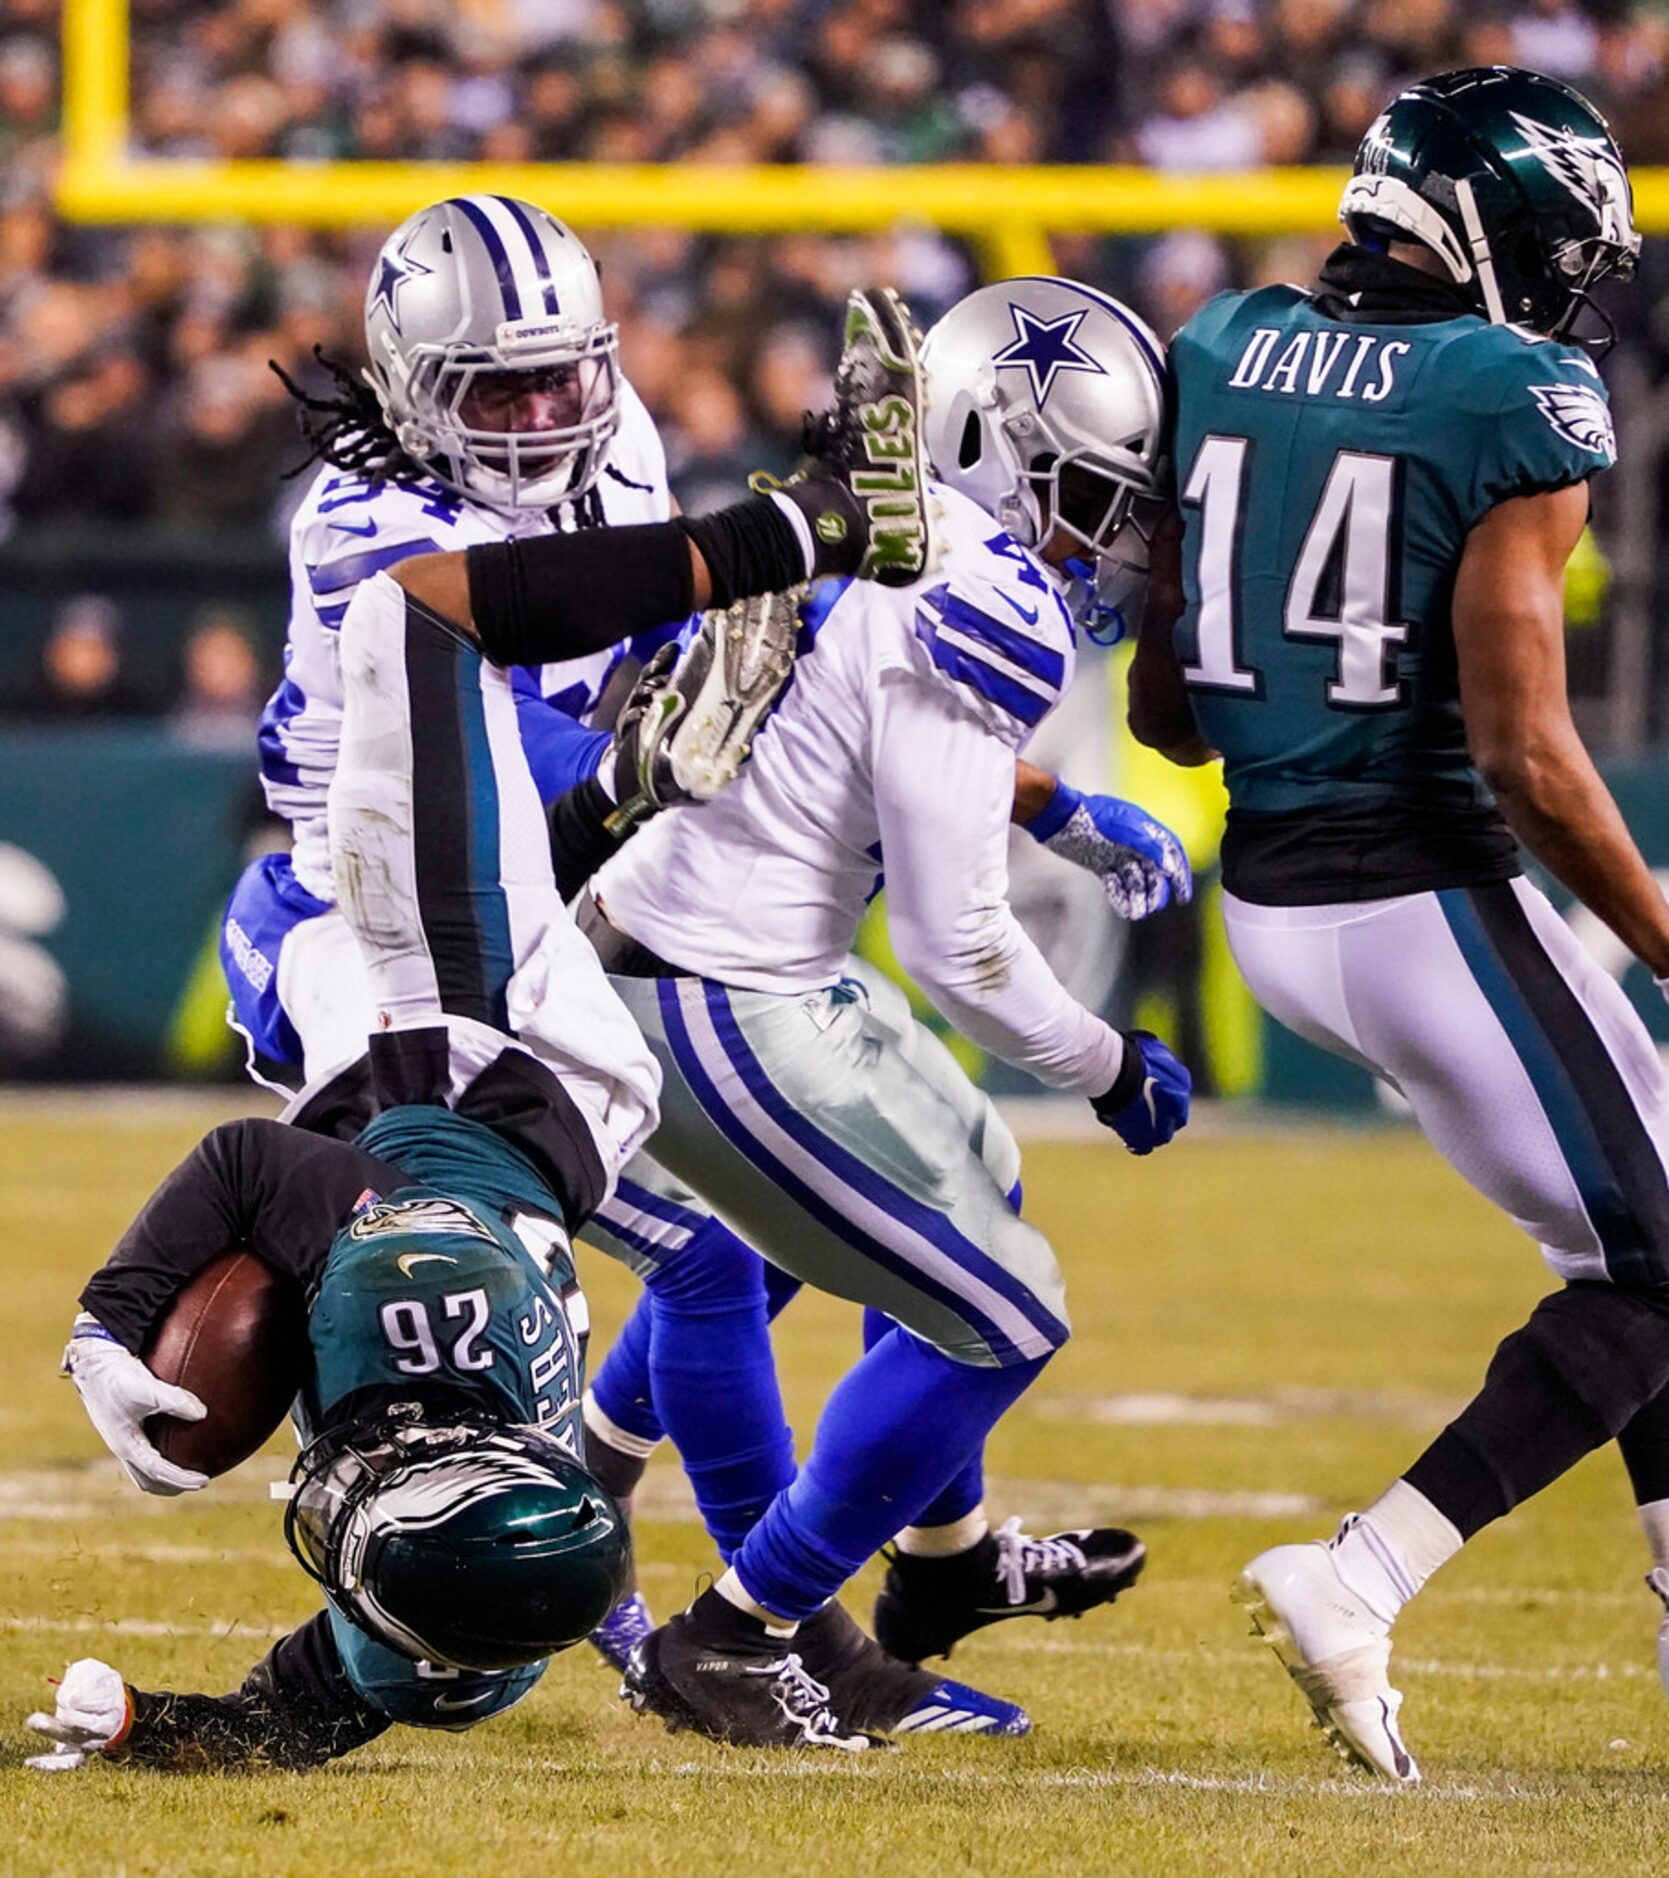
893 1767
217 1627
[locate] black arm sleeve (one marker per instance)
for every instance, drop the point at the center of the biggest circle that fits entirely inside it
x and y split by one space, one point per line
561 596
296 1709
275 1191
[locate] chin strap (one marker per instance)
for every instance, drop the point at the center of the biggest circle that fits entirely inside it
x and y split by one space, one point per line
1483 263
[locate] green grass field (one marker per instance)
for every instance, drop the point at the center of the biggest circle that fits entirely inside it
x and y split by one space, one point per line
1269 1324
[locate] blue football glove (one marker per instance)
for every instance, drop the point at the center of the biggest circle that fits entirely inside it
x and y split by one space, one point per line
1149 1102
1139 861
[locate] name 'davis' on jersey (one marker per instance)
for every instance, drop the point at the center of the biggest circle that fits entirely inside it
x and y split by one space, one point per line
1321 364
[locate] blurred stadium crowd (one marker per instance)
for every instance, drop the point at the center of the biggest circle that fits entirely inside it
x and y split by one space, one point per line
133 363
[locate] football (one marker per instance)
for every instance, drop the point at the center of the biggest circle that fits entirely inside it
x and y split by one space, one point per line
236 1337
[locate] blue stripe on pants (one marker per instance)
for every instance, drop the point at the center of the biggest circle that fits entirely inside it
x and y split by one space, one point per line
926 1221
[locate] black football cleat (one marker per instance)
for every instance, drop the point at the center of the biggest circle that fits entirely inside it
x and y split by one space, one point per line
863 490
881 1695
719 1672
927 1605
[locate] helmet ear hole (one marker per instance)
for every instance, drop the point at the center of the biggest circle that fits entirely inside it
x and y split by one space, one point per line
970 449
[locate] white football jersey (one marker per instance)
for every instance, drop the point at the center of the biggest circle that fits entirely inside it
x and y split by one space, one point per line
890 755
348 529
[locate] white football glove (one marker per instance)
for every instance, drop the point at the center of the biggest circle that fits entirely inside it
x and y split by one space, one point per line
1662 984
118 1393
92 1711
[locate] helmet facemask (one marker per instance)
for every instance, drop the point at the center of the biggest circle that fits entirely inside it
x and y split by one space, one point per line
452 392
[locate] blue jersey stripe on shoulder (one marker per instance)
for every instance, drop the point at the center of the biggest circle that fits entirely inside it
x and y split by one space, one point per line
1008 694
351 569
1031 655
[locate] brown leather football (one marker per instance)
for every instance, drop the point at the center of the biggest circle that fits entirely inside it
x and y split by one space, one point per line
236 1337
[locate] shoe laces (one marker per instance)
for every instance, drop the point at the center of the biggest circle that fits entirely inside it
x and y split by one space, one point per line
801 1697
1019 1554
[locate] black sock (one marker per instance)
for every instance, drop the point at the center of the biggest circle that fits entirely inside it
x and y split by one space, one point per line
1588 1361
1645 1446
951 1571
718 1621
615 1471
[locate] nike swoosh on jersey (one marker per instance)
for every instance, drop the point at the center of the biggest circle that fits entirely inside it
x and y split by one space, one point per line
1030 618
347 528
407 1260
463 1701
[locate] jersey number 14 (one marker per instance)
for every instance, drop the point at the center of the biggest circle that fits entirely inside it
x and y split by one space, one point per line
1347 548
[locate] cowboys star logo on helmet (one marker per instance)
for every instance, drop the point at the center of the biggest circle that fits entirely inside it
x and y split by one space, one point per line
1044 347
1580 415
395 266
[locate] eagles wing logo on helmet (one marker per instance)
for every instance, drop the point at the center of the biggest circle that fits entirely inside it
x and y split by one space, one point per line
1580 415
1590 174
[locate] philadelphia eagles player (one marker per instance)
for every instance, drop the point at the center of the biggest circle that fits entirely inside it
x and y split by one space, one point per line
1381 480
440 1498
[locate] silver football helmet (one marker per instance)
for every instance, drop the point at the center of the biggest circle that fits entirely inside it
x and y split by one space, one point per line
490 354
1046 406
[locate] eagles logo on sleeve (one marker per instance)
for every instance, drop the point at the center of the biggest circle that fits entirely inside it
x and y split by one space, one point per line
1580 415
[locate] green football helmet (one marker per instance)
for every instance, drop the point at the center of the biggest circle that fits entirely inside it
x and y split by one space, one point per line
1513 180
462 1541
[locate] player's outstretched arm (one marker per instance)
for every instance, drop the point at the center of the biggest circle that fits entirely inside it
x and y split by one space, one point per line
860 507
1509 625
1161 715
295 1710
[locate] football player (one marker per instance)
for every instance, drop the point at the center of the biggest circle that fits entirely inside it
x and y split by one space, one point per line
1381 480
485 420
816 1116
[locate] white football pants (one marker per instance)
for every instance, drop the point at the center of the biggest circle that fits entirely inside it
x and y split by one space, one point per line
1521 1057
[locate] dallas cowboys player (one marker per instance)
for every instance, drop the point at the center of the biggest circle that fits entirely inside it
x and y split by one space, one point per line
1381 481
814 1120
495 410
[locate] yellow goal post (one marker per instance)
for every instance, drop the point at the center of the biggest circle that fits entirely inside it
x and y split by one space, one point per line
1006 213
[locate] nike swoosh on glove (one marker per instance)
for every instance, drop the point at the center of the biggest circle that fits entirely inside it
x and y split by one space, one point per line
119 1393
93 1711
1140 863
1149 1102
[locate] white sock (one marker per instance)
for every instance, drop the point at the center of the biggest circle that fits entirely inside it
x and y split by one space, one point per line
733 1591
1654 1522
1387 1553
945 1541
598 1423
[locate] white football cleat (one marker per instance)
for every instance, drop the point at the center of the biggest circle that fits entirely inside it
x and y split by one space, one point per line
1335 1649
1657 1581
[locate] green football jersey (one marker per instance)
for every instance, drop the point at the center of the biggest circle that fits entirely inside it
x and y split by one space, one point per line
436 1282
1329 471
